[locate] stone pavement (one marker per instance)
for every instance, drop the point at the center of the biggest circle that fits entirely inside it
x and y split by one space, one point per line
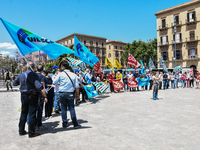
122 121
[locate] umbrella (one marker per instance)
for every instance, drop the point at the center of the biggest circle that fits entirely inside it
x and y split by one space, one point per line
177 68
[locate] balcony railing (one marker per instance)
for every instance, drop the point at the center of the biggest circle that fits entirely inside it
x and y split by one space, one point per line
177 41
165 58
190 39
192 57
191 21
177 24
163 27
163 43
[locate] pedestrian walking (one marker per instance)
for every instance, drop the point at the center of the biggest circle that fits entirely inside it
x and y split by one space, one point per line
8 79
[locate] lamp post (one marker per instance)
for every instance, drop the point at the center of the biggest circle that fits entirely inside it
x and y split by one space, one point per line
175 38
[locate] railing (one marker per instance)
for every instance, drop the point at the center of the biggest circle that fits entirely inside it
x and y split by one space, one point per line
97 46
177 41
163 43
165 58
161 27
192 56
177 23
191 39
103 46
189 22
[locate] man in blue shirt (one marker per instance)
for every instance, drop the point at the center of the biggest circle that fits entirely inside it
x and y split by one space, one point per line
68 86
176 76
30 87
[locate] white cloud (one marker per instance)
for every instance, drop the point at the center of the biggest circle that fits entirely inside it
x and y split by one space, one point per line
5 52
8 46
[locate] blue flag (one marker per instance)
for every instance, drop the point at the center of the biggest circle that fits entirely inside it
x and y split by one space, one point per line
84 53
28 42
143 82
143 68
90 91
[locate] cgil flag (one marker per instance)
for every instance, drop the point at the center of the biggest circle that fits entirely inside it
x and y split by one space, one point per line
102 87
132 61
84 53
116 64
28 42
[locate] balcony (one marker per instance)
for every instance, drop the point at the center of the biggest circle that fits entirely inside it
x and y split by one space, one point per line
166 58
163 43
103 46
161 28
192 39
178 41
178 24
192 57
188 22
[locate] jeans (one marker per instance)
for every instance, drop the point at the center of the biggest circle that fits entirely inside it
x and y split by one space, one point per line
183 83
67 100
8 83
176 83
125 85
56 104
164 84
151 84
29 107
172 84
155 91
168 83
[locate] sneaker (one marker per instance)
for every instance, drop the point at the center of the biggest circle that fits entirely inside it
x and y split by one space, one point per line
41 128
64 125
77 127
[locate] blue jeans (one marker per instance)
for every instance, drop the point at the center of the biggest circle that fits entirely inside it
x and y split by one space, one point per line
172 84
164 84
183 83
67 100
39 114
56 104
155 91
176 83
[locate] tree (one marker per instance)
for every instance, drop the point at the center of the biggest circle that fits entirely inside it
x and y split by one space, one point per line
141 50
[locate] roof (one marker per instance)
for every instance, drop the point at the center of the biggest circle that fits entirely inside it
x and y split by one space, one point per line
77 34
177 7
115 41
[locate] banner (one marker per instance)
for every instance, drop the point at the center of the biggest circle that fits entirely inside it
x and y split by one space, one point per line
177 68
102 87
198 76
132 82
118 84
143 68
151 65
132 61
142 82
84 53
28 42
108 63
90 91
116 64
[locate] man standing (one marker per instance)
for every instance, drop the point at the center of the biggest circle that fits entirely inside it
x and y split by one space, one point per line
136 75
176 76
130 75
8 79
165 77
42 79
30 87
111 77
67 89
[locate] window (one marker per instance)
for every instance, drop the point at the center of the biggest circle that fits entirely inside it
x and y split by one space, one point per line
102 44
192 35
109 55
103 61
164 40
109 46
176 20
115 47
96 43
192 52
120 47
163 23
84 42
103 52
191 16
165 57
97 52
178 37
91 43
116 54
178 54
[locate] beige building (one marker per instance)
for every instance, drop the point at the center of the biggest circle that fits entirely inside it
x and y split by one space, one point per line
114 49
96 45
187 35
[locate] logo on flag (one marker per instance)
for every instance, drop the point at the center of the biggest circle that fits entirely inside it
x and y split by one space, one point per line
132 82
132 61
118 85
116 64
102 87
108 63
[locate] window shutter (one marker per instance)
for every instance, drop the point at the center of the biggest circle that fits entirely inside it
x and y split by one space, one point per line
177 20
174 37
174 53
180 54
161 40
187 17
166 38
194 16
180 34
167 55
188 52
195 51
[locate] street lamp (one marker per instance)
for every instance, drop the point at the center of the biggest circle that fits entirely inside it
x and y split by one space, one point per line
175 38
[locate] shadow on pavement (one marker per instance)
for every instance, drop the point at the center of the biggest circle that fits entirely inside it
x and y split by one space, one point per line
96 99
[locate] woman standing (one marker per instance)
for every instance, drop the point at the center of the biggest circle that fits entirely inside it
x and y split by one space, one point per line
118 76
172 81
183 78
125 81
156 79
111 77
50 95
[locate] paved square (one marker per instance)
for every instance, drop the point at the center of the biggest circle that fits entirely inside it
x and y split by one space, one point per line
130 120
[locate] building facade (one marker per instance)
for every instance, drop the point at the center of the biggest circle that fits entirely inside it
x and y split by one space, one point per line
114 49
185 18
97 45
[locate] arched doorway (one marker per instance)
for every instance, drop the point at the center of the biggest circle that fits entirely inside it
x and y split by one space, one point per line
194 69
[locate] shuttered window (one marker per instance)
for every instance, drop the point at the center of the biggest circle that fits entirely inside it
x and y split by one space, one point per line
192 35
163 23
191 16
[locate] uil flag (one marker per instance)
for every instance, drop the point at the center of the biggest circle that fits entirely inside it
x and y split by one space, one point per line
143 68
108 63
28 42
97 67
132 61
116 64
84 53
151 65
162 63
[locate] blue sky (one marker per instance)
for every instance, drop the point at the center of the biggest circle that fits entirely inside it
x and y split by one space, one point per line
124 20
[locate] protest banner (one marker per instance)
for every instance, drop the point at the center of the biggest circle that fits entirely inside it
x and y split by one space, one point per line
132 82
118 84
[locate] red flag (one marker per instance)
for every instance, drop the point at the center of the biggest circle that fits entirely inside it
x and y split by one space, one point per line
97 67
191 71
118 84
132 83
132 61
198 76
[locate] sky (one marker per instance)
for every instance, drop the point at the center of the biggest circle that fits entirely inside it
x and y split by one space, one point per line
124 20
